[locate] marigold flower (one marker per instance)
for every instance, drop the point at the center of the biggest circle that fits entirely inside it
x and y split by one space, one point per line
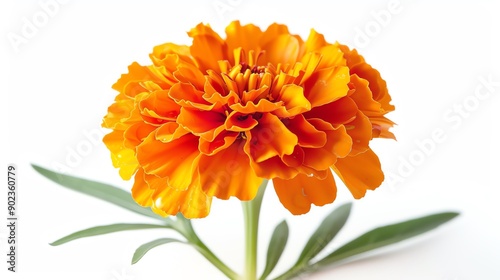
219 116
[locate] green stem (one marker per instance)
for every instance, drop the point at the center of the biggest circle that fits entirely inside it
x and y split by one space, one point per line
251 212
184 227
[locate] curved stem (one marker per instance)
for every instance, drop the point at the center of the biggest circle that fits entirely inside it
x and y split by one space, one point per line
251 212
184 227
212 258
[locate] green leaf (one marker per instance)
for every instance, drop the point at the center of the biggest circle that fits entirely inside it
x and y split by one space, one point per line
102 191
387 235
99 230
276 247
144 248
325 233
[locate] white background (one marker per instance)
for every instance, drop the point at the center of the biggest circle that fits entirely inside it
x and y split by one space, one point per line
57 86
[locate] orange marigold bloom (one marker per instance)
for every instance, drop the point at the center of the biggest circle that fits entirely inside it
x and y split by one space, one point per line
219 116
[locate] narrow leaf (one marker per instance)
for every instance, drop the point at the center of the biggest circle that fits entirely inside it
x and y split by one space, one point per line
99 230
102 191
276 247
325 233
387 235
144 248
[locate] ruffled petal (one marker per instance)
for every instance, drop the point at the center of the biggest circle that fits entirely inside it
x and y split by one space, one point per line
175 160
192 202
283 49
338 144
364 70
270 138
206 124
327 85
207 47
360 173
228 173
299 193
161 52
360 130
121 156
141 192
245 37
294 100
308 135
341 111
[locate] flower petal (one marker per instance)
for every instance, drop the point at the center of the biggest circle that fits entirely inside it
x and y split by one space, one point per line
192 202
239 122
338 144
270 138
360 173
161 52
176 159
327 85
186 95
246 36
141 192
360 130
282 49
169 131
308 135
206 124
228 173
299 193
136 133
294 100
341 111
364 70
121 156
207 47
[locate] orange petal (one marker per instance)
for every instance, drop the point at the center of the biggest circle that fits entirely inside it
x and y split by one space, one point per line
314 42
240 122
331 55
161 52
338 144
190 74
175 160
282 49
381 126
308 135
122 157
140 190
270 138
136 133
158 105
360 173
341 111
272 32
262 106
207 47
192 202
206 124
246 36
272 168
327 85
299 193
294 100
170 131
363 97
222 141
186 95
117 113
377 85
228 173
360 130
129 83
